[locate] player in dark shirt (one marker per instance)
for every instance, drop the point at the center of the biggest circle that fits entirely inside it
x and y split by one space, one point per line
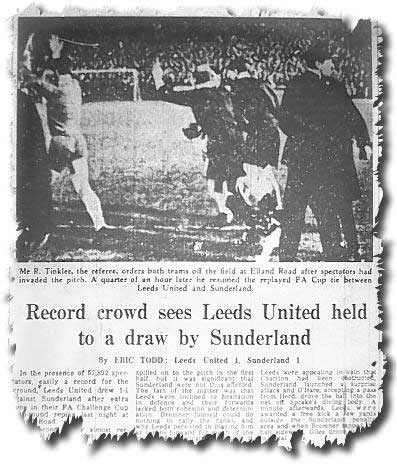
213 110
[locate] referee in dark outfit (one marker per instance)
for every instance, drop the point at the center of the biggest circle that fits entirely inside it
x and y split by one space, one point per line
321 171
33 193
345 123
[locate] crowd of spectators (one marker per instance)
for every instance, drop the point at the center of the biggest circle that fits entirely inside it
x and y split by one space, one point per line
272 54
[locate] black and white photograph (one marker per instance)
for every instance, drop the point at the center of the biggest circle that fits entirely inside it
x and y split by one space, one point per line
194 139
163 162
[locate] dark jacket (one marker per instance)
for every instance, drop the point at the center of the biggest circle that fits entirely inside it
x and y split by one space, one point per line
212 109
320 121
34 198
255 111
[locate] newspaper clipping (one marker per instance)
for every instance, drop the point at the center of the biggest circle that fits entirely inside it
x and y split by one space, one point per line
195 202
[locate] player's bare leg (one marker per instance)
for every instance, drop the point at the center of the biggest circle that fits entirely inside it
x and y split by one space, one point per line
80 181
220 199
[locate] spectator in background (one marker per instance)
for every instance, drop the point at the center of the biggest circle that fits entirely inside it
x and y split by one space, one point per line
269 51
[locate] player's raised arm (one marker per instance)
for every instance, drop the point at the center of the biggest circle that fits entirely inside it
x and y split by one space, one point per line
165 92
213 82
184 88
56 46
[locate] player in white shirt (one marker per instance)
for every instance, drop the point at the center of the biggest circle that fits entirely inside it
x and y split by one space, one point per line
68 148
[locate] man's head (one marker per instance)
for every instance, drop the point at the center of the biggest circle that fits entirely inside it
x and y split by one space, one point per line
318 57
60 66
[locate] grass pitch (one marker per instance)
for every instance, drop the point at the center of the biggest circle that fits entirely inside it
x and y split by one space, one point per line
151 182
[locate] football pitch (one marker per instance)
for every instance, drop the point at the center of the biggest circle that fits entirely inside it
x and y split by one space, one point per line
151 183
